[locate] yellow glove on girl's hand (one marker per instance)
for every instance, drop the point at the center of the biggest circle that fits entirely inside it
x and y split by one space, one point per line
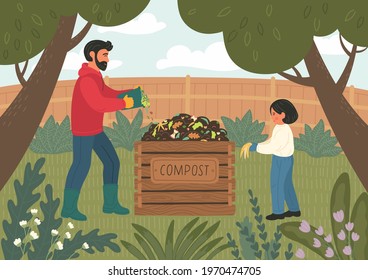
245 150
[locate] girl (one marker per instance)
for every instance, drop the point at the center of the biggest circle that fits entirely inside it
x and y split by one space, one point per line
281 146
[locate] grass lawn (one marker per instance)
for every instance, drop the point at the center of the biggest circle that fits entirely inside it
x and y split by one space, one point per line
313 179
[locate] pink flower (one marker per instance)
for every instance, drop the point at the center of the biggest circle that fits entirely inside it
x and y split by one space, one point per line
347 250
338 216
316 243
341 235
355 236
319 231
349 226
304 226
329 252
300 254
328 238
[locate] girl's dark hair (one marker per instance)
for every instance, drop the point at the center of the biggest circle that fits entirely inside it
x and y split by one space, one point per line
283 105
95 46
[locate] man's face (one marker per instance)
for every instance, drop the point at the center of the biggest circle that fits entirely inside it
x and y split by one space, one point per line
101 58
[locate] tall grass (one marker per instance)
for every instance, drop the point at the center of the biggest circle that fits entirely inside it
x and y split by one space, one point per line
313 178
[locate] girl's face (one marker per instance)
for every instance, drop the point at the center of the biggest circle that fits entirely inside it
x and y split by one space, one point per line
276 117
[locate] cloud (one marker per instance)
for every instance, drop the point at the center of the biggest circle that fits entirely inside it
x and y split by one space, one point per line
214 58
146 23
73 61
331 45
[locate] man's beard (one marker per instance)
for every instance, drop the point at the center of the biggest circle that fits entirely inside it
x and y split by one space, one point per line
102 65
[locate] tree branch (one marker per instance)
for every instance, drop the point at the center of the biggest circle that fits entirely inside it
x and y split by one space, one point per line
345 75
343 46
79 37
298 79
20 74
25 67
297 72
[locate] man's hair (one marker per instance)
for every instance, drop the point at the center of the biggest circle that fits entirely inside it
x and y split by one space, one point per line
95 46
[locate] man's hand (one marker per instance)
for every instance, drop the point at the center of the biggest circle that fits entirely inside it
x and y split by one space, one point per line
129 102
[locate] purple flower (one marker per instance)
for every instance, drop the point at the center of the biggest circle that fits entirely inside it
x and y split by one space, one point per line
319 231
355 236
304 226
338 216
300 254
329 252
349 226
341 235
328 238
347 250
316 243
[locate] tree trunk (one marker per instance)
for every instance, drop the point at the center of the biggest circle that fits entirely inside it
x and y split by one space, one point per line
20 121
350 130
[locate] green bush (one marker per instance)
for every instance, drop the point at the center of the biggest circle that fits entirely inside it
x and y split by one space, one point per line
317 142
251 249
194 245
349 239
53 138
124 134
244 130
31 236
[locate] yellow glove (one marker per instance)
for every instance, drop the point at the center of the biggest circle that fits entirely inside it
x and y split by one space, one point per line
129 102
138 86
245 150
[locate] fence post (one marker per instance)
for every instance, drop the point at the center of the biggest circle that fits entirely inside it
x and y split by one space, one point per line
187 94
272 98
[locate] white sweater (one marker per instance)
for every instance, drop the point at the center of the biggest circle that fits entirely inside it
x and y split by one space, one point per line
280 144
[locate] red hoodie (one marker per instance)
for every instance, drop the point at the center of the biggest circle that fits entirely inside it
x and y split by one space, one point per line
91 99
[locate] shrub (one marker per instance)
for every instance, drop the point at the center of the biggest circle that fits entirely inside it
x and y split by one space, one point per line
124 134
317 142
29 235
194 245
244 130
53 138
349 239
250 247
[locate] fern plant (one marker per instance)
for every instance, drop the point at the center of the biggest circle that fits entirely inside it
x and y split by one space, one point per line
189 244
42 235
317 142
244 130
53 138
124 134
257 247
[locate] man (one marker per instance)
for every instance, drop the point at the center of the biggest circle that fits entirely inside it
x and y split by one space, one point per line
91 99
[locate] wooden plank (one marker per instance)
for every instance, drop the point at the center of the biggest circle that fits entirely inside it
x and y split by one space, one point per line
221 185
184 197
146 158
185 210
145 171
185 146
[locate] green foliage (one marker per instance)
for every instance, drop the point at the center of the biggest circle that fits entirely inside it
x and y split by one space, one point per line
190 244
34 238
317 142
349 235
124 134
53 138
250 247
244 130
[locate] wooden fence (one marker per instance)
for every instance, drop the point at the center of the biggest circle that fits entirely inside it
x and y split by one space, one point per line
211 97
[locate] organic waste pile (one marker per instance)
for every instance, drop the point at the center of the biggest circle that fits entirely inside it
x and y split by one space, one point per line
186 127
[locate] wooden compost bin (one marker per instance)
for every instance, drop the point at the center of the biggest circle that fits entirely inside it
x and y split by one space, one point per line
184 178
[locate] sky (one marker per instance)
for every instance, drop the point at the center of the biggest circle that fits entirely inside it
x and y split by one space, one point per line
158 43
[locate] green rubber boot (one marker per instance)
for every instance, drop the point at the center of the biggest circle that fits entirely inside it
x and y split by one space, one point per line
70 205
111 203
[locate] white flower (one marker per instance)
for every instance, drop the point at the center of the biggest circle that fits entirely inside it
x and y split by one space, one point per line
316 243
70 225
17 242
59 246
37 221
355 236
85 246
338 216
328 238
300 254
319 231
34 211
347 250
68 235
34 235
341 235
23 223
329 253
304 227
54 232
349 226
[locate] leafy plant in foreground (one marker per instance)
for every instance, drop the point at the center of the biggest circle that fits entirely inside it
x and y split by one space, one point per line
189 244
